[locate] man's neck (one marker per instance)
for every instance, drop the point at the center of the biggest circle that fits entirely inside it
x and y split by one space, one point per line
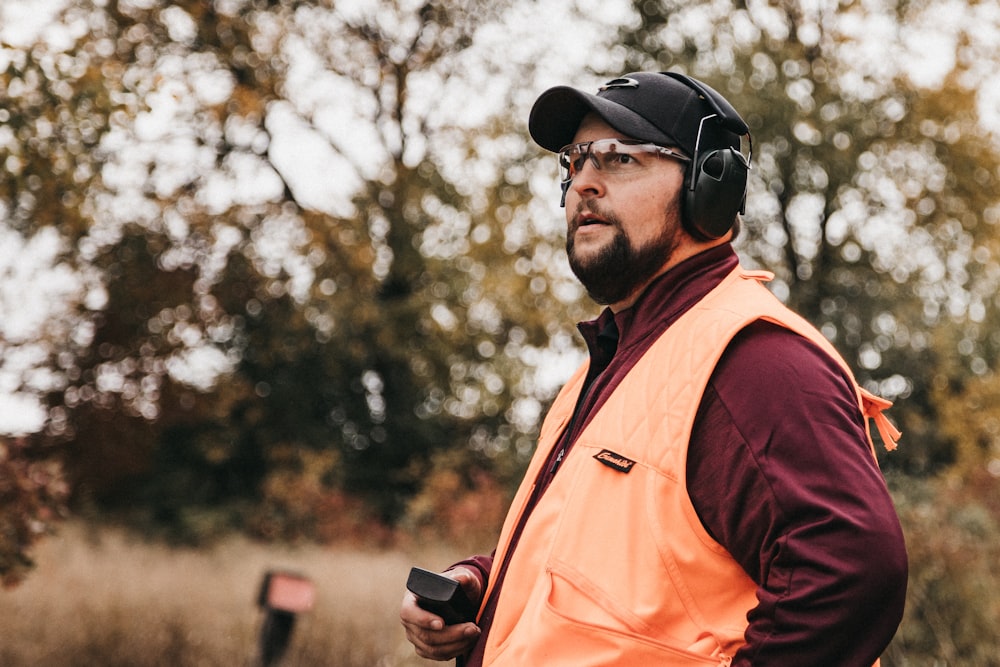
683 252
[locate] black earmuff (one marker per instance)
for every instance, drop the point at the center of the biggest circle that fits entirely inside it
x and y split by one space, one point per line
716 183
716 193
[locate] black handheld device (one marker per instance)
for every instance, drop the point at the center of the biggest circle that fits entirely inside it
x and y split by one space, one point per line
441 595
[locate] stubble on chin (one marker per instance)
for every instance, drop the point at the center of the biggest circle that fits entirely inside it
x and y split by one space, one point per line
596 270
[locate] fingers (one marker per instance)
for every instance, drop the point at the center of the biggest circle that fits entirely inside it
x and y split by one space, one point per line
471 584
431 638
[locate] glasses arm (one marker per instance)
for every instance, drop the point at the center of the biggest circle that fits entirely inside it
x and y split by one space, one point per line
697 148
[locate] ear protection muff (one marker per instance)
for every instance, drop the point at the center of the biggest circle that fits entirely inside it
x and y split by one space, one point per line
716 183
715 193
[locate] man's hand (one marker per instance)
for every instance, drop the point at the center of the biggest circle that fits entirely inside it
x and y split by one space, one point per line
431 638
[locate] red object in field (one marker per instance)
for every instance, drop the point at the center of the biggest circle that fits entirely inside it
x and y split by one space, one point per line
287 592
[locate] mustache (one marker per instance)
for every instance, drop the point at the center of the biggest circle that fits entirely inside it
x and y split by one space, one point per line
593 208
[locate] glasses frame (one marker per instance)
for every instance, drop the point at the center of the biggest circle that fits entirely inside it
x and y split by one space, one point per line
586 151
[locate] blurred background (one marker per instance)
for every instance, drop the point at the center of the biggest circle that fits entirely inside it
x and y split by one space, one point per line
283 282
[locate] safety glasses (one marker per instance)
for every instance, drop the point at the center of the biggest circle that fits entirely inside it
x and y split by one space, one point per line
612 156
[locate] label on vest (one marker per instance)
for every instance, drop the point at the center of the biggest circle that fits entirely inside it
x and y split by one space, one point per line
615 461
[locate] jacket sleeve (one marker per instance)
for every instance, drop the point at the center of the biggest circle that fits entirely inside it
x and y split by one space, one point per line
480 565
782 476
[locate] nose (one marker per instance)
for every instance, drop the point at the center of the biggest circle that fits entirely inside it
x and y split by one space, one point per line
588 180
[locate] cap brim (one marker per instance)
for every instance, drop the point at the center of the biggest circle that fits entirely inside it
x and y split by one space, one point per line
558 112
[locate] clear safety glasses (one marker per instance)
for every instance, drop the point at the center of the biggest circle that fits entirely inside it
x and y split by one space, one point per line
612 156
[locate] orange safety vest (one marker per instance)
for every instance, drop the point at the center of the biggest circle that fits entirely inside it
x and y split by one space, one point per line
615 567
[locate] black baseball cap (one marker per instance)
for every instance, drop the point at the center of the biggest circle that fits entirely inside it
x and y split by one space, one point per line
659 107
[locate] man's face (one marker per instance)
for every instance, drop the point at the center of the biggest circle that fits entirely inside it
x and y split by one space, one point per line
622 229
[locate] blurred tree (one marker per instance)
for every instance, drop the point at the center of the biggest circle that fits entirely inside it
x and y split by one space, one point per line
293 244
46 297
872 188
33 495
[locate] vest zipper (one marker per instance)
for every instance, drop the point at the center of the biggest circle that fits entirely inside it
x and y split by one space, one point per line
557 462
568 431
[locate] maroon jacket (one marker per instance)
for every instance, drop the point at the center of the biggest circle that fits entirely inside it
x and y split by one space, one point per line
798 502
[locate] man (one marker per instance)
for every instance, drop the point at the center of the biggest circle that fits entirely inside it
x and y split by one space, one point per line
705 491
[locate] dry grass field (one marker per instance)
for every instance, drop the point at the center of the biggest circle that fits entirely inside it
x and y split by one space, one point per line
105 598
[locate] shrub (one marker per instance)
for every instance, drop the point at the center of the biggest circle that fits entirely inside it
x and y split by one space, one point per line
32 496
951 525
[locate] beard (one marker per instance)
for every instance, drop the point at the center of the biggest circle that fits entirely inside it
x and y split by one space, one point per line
619 268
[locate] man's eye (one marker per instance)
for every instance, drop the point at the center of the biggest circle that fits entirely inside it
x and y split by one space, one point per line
619 160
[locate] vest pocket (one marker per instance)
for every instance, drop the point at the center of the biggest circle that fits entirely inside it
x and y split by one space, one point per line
600 630
571 590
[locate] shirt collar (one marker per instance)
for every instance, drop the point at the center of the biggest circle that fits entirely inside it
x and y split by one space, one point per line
665 299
